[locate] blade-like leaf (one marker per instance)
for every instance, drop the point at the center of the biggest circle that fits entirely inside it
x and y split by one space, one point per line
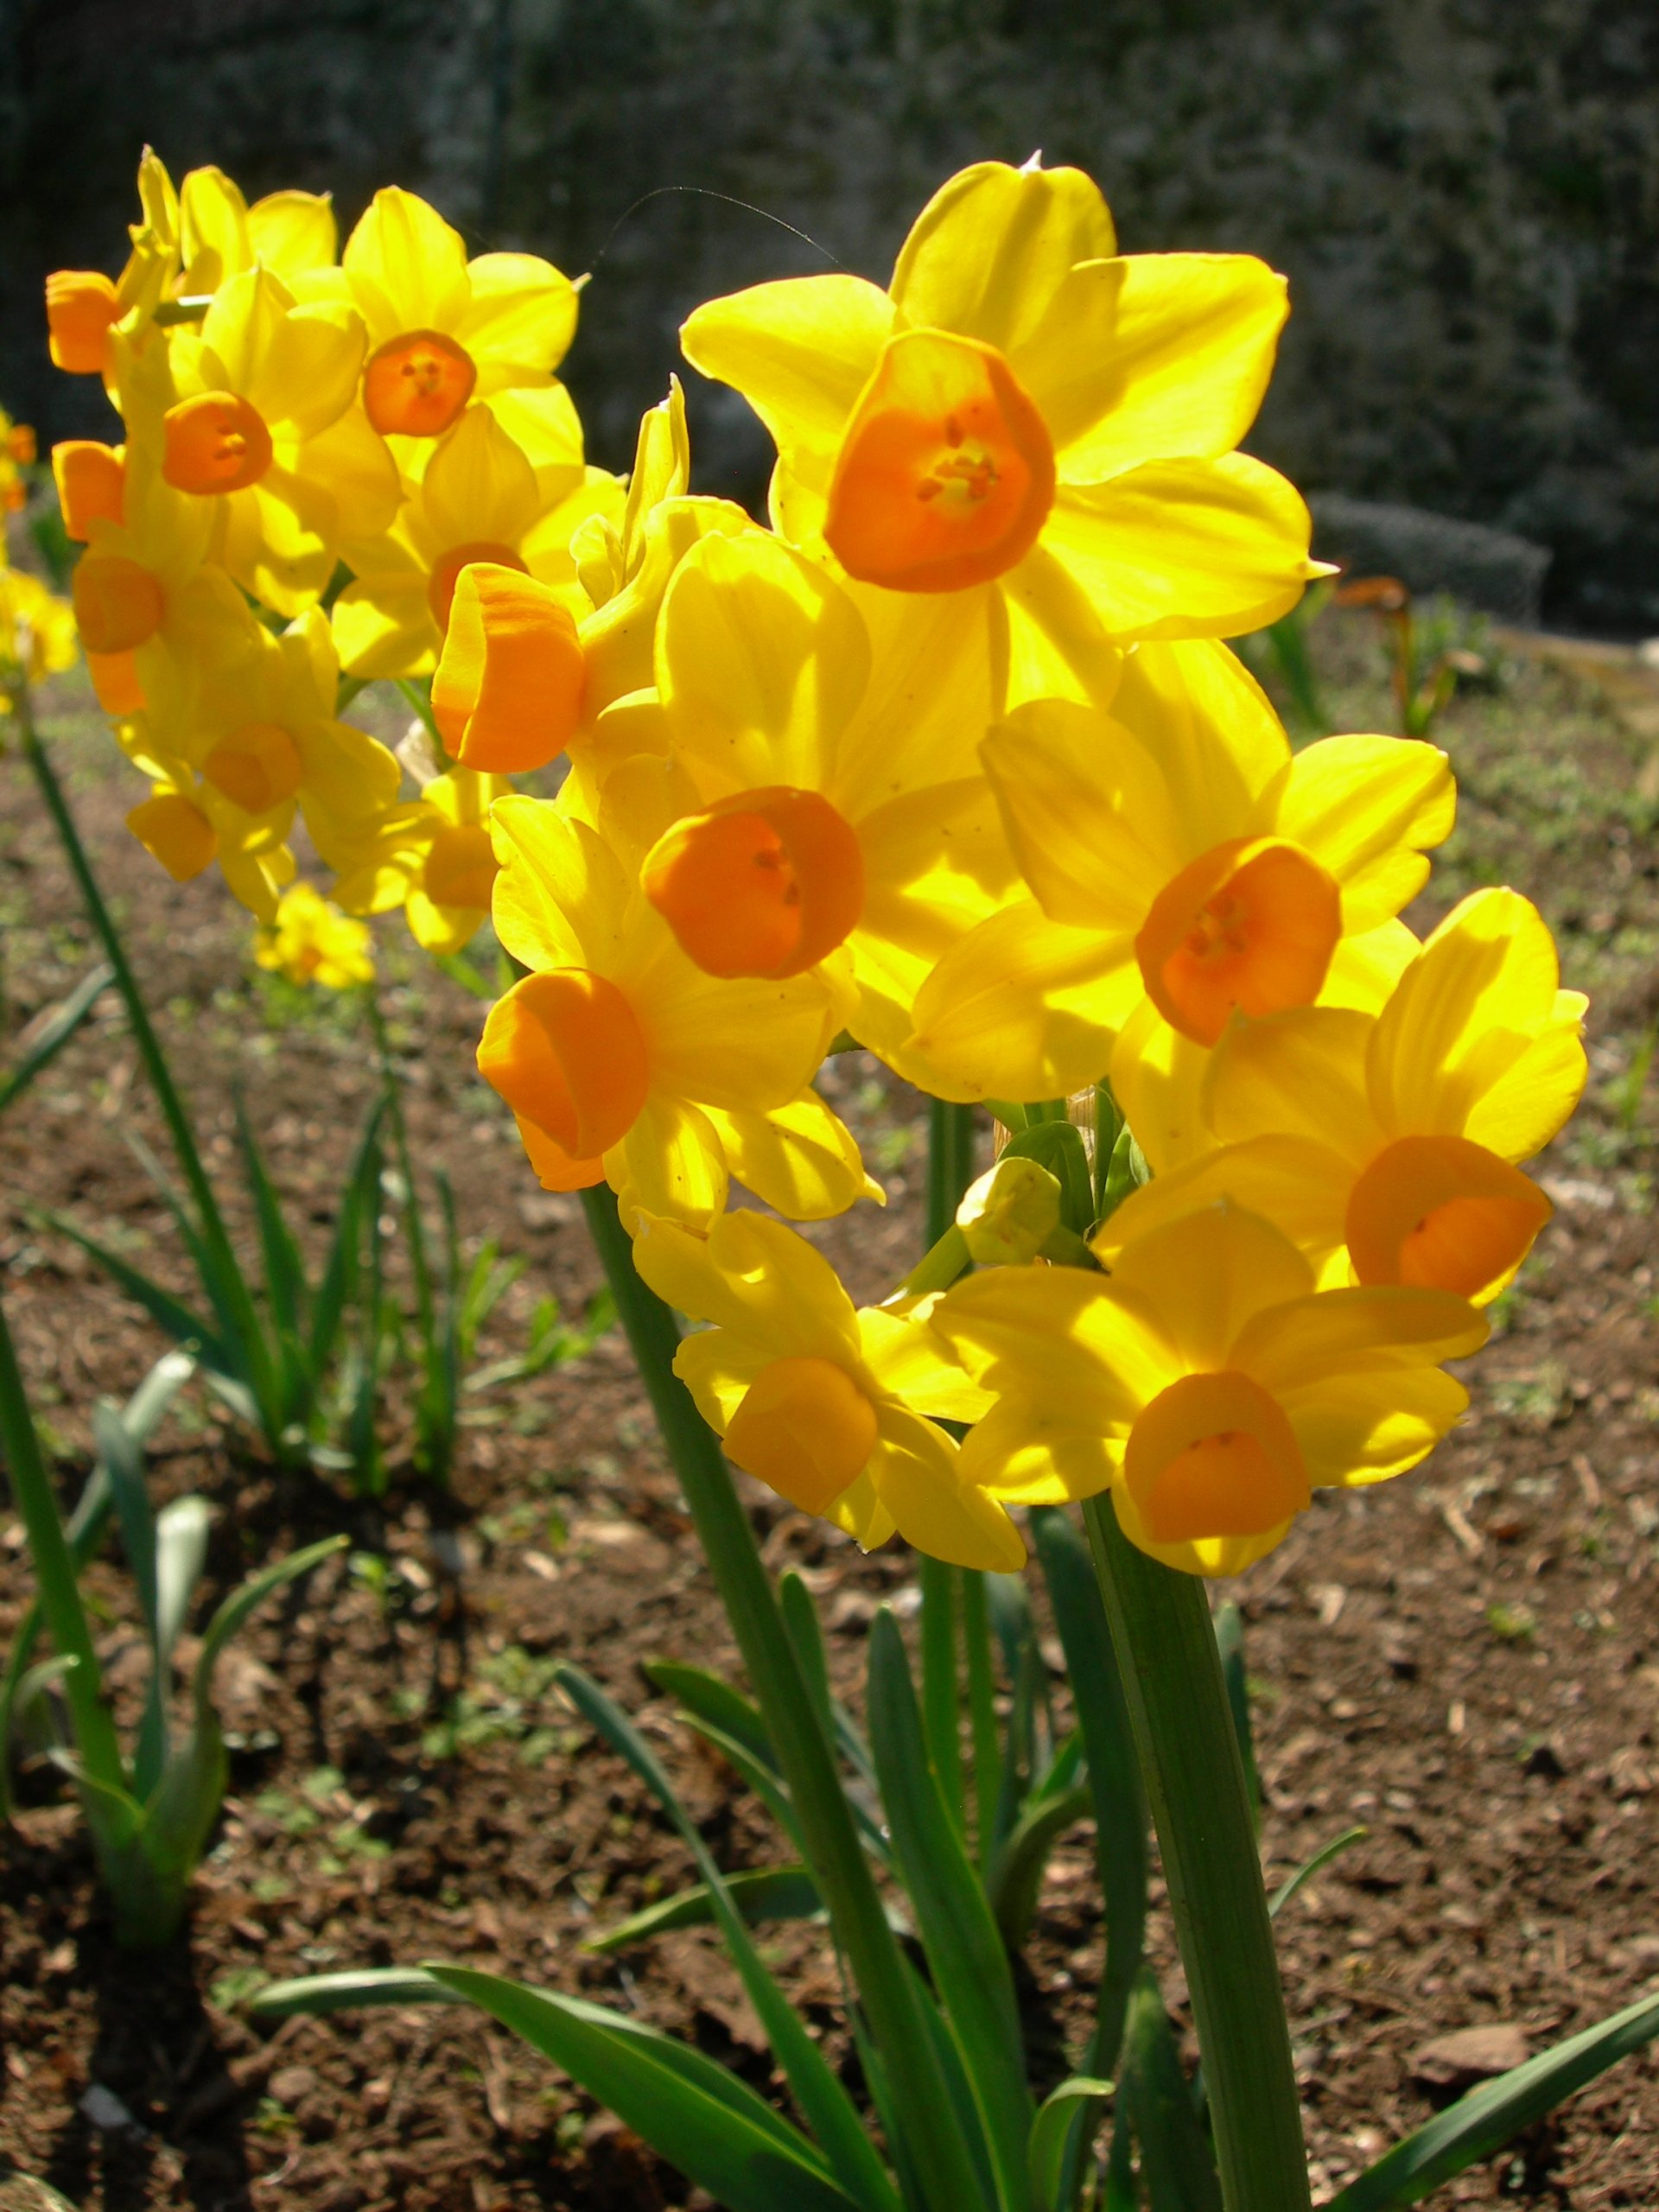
694 2113
822 2102
705 1697
964 1950
1015 1875
769 1893
1485 2120
246 1600
188 1329
285 1287
317 1994
124 1462
1177 2163
801 1619
1050 2132
335 1286
1310 1867
180 1552
142 1412
49 1038
759 1775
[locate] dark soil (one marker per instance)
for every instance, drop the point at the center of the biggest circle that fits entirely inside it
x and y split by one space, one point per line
1466 1661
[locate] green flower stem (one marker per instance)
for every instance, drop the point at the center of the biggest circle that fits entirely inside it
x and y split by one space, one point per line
981 1707
949 1163
1189 1756
838 1862
210 1221
59 1595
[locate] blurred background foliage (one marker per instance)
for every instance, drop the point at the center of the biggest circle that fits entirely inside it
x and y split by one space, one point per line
1465 194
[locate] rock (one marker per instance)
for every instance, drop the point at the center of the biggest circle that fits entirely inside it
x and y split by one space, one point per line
292 2085
104 2109
1452 2062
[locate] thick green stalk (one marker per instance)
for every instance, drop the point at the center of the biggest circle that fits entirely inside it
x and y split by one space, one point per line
210 1222
55 1577
1189 1756
838 1862
949 1163
950 1171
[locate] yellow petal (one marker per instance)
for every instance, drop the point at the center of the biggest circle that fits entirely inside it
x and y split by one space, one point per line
520 321
988 253
799 351
213 229
561 898
1205 1273
670 1164
748 1045
1090 1352
1023 1455
479 488
1053 643
1154 355
914 1469
1299 1184
1024 1008
909 1361
1300 1073
1184 549
383 626
1157 1077
798 1157
1202 716
718 1367
763 1286
1379 1330
292 232
407 266
1366 808
1363 1428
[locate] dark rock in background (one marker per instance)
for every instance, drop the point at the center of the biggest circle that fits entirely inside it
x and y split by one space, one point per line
1465 194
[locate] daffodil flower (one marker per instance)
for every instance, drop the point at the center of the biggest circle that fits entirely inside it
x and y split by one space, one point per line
37 630
480 499
1027 416
432 856
310 941
1184 868
835 1408
1206 1382
188 824
625 1063
1386 1144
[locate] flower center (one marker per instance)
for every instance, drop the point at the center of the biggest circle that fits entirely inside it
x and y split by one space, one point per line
257 767
946 471
766 883
80 305
1246 927
446 573
216 442
91 479
1442 1213
805 1428
1213 1455
416 385
118 604
566 1051
460 867
508 689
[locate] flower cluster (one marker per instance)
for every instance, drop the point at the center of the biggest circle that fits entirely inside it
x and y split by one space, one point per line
37 629
950 761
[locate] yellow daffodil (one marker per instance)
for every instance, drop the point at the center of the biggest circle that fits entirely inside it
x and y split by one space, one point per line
432 856
290 234
154 613
829 739
827 1404
187 824
444 331
1385 1144
1206 1382
625 1063
1027 416
480 499
1184 866
263 421
312 942
37 630
265 732
84 307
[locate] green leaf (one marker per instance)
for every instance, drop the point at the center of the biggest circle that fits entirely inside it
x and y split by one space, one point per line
823 2101
186 1329
1176 2161
54 1032
964 1949
694 2113
801 1620
1015 1874
764 1780
769 1893
1125 1171
1050 2132
318 1994
1309 1867
705 1697
245 1601
123 1464
1059 1146
181 1547
359 1196
285 1285
1485 2120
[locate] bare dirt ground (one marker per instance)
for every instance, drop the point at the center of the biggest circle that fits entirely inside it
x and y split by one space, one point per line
1466 1661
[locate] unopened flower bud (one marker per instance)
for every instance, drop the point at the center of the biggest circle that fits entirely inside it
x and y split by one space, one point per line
1008 1215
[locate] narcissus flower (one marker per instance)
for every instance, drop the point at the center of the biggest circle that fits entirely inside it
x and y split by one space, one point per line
480 498
312 942
1184 866
828 1405
1206 1382
828 736
186 824
1386 1144
1026 414
444 330
263 423
37 630
432 856
624 1063
85 309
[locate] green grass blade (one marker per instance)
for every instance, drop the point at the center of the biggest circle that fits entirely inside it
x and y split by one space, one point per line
123 1464
694 2113
1061 2112
822 2102
285 1285
1015 1875
1485 2120
243 1603
337 1284
54 1032
981 1708
1309 1867
316 1995
188 1329
964 1950
1177 2163
769 1893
